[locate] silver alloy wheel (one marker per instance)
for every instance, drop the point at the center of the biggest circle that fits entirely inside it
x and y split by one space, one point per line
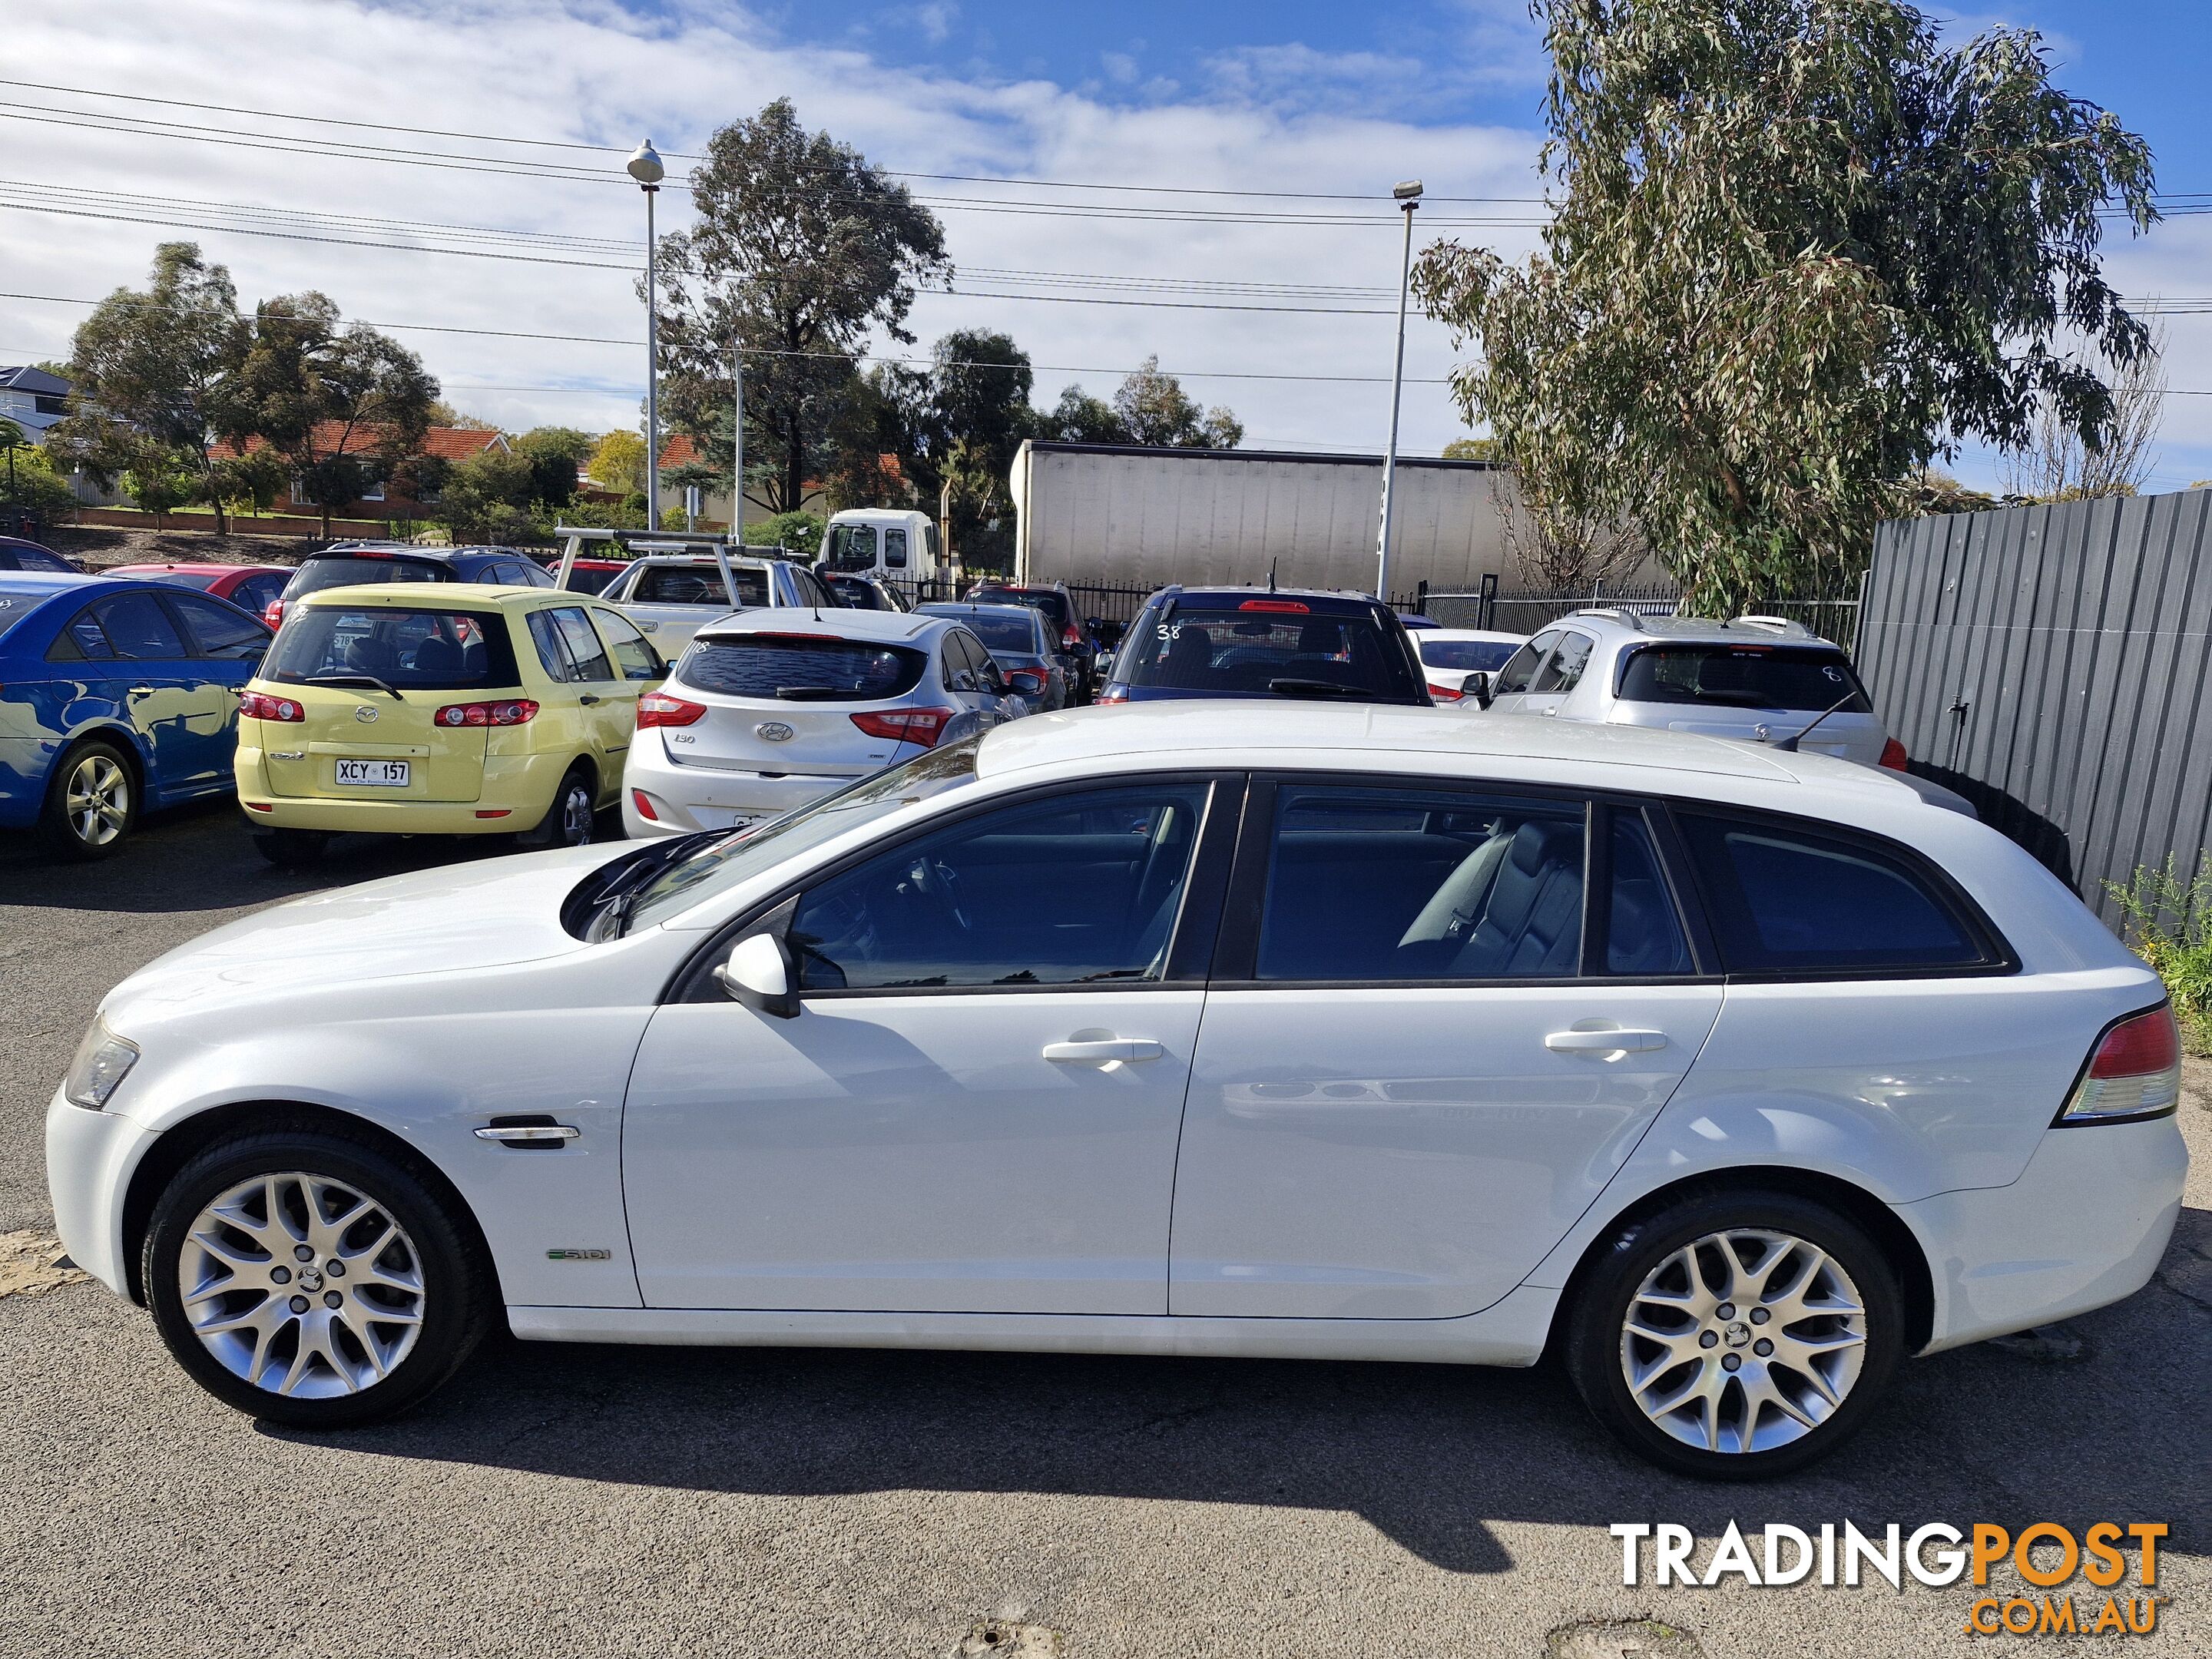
575 814
301 1285
96 800
1743 1341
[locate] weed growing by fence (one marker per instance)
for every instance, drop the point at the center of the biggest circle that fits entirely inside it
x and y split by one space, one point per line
2169 924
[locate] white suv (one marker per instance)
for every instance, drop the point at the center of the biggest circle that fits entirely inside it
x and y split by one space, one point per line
1758 679
1195 1028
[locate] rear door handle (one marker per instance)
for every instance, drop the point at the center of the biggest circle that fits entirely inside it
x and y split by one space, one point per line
141 690
1604 1041
587 700
1098 1051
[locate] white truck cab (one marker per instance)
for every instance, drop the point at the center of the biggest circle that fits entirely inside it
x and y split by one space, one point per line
893 546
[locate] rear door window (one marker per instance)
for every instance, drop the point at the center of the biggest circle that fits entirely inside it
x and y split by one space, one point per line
430 650
1520 670
1798 678
139 628
218 631
801 668
1787 901
1564 668
632 654
584 650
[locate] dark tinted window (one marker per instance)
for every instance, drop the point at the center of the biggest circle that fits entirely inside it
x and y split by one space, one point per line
1012 634
81 640
1520 670
1051 600
801 668
219 629
137 625
1455 655
1231 649
584 580
1743 677
1645 932
678 584
1786 900
535 575
360 570
1379 884
256 591
552 650
427 650
1565 670
1075 891
28 556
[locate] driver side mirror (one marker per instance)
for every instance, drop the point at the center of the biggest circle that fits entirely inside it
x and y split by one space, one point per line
763 973
1477 685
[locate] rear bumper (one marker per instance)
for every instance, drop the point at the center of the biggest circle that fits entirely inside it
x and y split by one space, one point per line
518 788
685 798
2084 1225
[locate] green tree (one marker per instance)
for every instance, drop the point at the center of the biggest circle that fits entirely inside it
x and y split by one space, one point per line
489 498
1800 249
30 479
556 452
1080 418
801 252
1155 411
345 404
157 479
1471 449
153 367
799 533
617 463
257 478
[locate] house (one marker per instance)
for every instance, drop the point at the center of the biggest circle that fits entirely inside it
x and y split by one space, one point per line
33 400
385 500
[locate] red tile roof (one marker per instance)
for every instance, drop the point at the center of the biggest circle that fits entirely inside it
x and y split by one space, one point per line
452 443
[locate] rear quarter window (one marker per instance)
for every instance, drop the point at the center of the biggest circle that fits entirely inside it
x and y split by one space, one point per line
798 668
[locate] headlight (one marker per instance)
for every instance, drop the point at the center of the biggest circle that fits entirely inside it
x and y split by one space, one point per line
103 1060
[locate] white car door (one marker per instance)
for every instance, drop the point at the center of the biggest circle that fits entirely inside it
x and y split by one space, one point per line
1560 674
1429 1055
1510 690
975 1108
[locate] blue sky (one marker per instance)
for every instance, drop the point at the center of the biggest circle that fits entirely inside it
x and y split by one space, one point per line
1225 95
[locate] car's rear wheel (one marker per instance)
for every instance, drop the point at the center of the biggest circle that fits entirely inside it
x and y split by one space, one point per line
291 849
313 1280
92 802
1736 1335
570 821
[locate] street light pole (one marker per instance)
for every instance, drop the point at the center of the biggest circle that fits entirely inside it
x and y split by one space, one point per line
645 167
1409 195
738 444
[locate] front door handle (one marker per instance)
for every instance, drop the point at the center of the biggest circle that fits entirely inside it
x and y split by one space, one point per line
1607 1041
1098 1051
528 1135
587 700
141 690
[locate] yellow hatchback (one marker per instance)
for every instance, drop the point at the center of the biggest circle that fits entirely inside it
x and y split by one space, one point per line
431 708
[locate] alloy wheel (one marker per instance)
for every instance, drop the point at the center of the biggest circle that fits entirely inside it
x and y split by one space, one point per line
575 816
301 1285
96 800
1743 1341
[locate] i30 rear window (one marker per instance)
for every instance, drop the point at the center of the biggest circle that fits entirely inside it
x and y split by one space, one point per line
406 650
1231 649
802 668
363 570
1743 677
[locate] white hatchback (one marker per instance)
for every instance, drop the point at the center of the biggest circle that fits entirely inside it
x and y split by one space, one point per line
771 709
1184 1027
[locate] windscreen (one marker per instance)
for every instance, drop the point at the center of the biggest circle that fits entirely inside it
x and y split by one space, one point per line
360 570
797 667
1797 679
1051 602
682 584
1453 655
1229 651
852 547
407 650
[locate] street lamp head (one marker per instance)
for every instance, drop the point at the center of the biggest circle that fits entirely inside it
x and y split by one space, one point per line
1408 190
645 165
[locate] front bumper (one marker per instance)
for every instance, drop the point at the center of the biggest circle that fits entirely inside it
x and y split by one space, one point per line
2084 1225
90 1156
518 788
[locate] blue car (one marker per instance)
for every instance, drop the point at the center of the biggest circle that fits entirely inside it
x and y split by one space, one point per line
117 698
1252 642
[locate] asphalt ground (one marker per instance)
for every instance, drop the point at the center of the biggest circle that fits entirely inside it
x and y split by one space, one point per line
847 1506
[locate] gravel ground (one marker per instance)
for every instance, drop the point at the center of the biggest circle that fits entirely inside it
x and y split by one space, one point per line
847 1505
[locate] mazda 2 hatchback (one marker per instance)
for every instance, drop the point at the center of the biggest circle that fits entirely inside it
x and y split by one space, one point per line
415 709
1192 1028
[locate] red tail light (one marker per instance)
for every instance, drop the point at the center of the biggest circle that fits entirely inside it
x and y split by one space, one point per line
1071 637
1289 607
2134 1072
658 709
1893 756
260 706
1448 693
1112 694
517 711
272 614
922 726
643 802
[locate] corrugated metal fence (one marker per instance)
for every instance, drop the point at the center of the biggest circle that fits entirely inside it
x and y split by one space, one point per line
2054 665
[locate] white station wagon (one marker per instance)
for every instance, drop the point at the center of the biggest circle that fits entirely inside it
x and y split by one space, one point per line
1735 1076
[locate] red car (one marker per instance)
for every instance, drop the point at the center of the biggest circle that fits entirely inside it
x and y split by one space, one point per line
249 586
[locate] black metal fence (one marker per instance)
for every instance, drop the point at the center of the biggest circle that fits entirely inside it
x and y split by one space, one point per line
1527 612
2054 665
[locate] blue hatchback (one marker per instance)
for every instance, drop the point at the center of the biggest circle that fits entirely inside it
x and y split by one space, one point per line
1260 642
117 697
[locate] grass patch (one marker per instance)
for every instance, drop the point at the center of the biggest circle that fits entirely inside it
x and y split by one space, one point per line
2169 925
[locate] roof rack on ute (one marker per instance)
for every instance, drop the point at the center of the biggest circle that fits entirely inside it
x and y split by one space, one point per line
1615 614
1787 627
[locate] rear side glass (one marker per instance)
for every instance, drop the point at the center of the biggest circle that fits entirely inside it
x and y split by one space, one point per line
1743 677
800 670
1789 900
1565 670
81 640
1520 668
1645 934
552 650
137 626
424 650
220 631
583 647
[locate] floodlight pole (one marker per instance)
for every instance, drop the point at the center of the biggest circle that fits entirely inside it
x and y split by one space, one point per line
645 167
1409 195
738 444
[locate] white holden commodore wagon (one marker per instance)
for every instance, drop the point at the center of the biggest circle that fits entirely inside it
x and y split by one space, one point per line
1735 1077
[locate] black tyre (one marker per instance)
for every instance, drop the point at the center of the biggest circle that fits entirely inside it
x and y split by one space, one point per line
92 802
1736 1335
291 849
571 820
311 1279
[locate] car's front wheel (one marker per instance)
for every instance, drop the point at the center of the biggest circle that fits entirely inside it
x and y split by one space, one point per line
312 1279
92 802
1736 1335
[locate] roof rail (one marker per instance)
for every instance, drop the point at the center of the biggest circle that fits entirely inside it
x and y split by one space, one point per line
1785 626
1615 613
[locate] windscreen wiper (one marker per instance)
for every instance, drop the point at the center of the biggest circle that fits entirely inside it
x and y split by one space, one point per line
370 680
813 693
1288 687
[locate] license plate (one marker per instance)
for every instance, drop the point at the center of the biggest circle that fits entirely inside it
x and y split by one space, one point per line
377 773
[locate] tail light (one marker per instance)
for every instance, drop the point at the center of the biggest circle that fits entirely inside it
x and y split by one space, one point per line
658 709
2134 1072
922 726
1893 756
1446 693
1071 636
272 614
1027 681
260 706
514 711
1112 694
1286 607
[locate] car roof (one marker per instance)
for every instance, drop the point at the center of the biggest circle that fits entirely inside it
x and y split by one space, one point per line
1694 630
1322 600
408 550
447 596
189 564
964 608
1475 636
883 627
45 583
